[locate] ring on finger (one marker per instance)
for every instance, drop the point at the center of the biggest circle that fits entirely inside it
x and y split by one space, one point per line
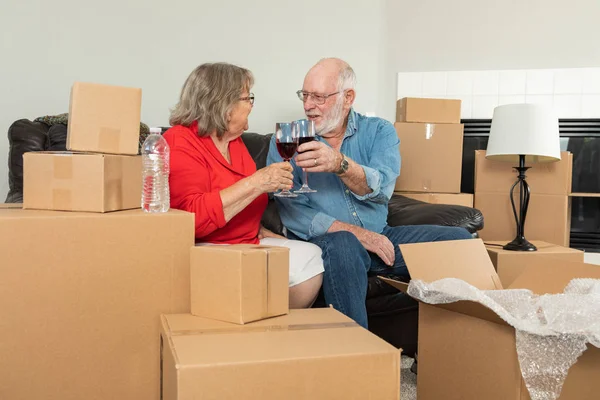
316 162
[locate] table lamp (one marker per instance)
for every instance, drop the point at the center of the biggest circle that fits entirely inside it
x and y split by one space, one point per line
523 133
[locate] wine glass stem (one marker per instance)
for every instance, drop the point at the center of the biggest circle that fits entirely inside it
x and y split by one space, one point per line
305 178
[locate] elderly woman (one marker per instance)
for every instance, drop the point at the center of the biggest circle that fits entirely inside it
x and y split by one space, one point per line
214 176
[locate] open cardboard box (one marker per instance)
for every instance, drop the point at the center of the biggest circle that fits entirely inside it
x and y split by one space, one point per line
466 351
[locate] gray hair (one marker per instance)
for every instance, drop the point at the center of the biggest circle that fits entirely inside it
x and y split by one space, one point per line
209 94
346 78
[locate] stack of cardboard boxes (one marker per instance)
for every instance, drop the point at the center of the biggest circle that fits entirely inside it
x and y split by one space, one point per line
98 304
82 289
102 171
549 213
242 341
431 143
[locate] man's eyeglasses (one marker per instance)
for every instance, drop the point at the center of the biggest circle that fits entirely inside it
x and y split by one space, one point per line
249 98
318 99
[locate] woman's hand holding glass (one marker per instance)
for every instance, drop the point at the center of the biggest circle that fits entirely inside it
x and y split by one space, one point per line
274 177
286 140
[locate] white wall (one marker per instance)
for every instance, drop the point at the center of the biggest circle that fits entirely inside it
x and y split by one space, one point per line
442 35
45 46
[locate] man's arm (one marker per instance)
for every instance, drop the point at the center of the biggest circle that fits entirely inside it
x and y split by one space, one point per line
354 178
372 182
373 242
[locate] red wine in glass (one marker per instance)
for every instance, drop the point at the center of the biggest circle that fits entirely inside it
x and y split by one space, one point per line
302 140
306 133
287 150
287 143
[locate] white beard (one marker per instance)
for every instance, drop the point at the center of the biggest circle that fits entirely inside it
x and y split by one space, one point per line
333 120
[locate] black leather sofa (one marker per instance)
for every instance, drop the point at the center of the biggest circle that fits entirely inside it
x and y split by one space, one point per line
392 315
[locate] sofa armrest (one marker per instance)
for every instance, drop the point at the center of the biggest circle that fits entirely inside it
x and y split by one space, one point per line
406 211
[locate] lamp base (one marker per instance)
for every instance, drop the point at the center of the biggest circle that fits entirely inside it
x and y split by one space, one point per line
520 244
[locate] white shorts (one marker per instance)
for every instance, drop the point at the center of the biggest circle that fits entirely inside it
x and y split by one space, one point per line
305 258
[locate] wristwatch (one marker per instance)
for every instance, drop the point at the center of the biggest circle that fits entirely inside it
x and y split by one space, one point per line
343 165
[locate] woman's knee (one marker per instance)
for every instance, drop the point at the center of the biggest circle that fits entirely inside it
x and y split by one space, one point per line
303 295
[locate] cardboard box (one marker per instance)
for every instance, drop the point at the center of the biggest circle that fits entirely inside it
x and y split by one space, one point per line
81 181
104 119
309 354
548 217
240 283
457 199
510 264
438 111
82 295
467 352
431 157
543 178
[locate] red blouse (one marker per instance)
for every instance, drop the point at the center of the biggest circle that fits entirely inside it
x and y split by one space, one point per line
199 172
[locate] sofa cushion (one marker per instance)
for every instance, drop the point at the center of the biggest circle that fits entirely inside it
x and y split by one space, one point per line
406 211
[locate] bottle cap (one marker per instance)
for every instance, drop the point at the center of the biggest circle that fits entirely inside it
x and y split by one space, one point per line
156 130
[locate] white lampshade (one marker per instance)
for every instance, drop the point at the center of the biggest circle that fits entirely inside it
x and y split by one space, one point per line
524 129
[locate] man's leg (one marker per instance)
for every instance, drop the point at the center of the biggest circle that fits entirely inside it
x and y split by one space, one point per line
346 263
413 234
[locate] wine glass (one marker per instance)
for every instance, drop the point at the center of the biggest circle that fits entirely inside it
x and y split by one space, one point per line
287 143
305 133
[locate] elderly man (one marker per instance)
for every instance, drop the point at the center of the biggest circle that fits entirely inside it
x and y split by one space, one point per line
353 164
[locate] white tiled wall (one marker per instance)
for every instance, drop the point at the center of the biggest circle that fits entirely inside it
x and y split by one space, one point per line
573 92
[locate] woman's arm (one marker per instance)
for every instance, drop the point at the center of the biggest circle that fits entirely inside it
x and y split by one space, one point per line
239 196
269 179
190 190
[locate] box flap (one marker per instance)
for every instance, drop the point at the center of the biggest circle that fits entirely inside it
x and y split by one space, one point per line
463 259
474 310
464 307
549 274
401 286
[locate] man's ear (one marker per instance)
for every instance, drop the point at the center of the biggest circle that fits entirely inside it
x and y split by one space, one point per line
349 97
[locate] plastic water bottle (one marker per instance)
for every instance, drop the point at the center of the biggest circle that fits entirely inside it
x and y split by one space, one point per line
155 173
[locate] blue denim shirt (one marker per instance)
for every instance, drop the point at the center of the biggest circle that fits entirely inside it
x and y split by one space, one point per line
372 143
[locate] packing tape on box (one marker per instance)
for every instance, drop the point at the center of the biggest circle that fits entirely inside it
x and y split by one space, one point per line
62 165
552 330
429 131
114 182
265 307
114 193
266 328
109 138
266 311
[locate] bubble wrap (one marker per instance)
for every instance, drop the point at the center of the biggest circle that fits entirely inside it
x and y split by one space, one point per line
552 330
